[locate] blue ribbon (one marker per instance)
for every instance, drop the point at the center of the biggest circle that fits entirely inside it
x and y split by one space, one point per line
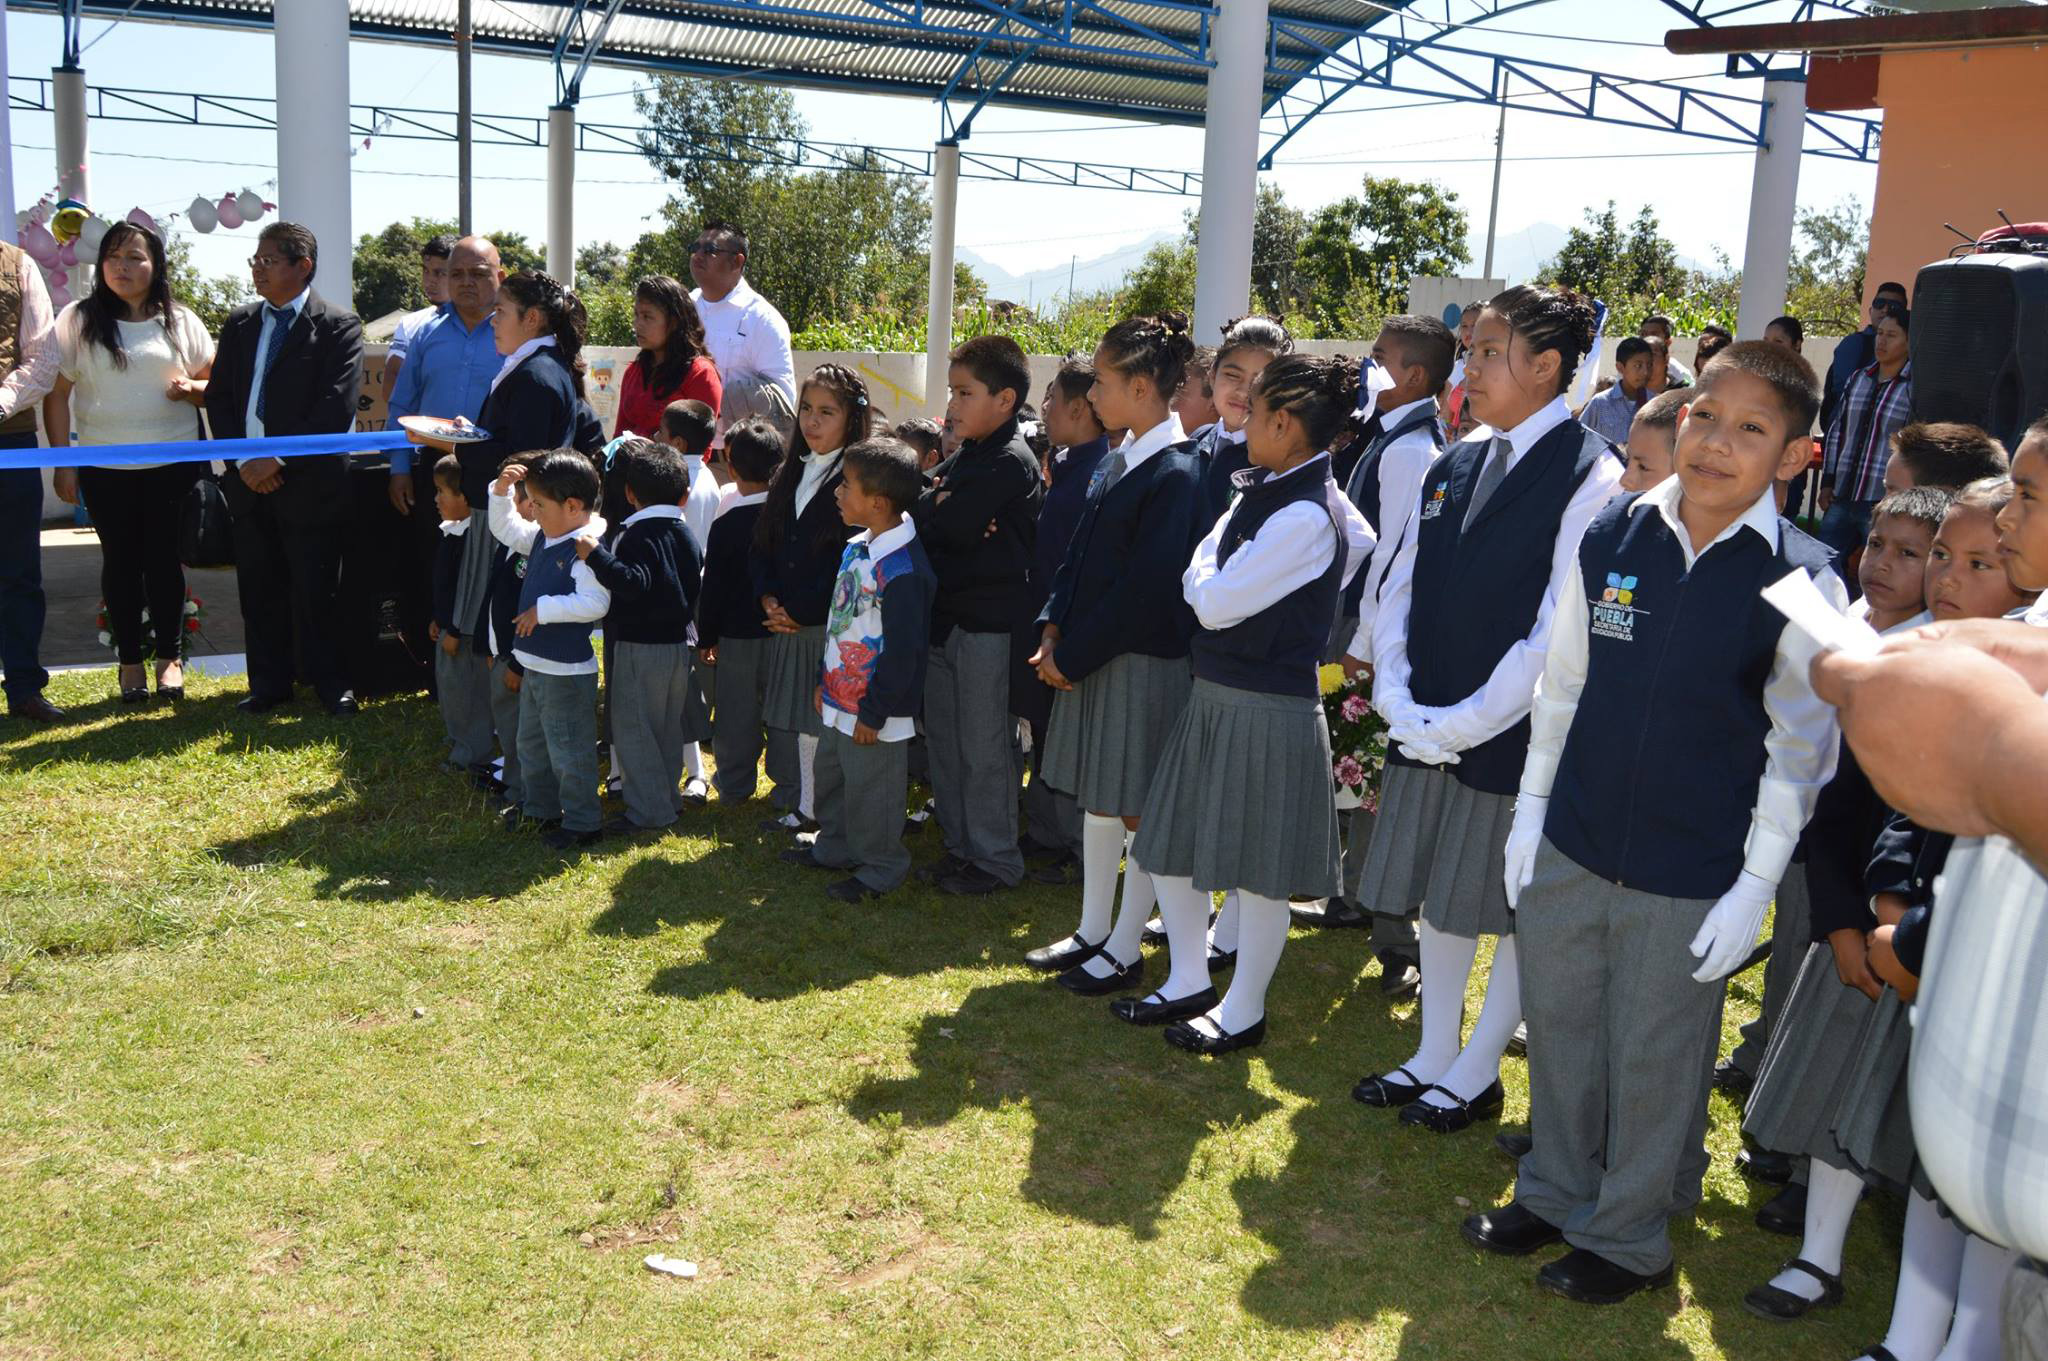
201 450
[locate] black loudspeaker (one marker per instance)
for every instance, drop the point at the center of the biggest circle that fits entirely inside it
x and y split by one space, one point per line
374 650
1980 342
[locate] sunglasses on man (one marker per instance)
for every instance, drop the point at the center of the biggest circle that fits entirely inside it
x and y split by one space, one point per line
706 248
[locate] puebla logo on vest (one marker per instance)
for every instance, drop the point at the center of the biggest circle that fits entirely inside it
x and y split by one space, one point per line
1434 506
1614 613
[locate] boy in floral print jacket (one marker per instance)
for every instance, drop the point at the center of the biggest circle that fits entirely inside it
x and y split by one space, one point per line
871 688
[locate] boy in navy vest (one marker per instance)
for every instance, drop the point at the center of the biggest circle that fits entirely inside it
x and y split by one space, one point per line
1649 838
653 571
732 639
877 647
559 599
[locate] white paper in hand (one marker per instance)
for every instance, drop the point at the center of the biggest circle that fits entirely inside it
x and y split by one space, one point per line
1800 601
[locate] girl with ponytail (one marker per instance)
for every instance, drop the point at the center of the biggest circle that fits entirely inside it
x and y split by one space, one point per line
1243 800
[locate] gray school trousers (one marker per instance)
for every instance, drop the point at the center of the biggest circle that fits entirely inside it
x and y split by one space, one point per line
505 718
736 687
860 794
1620 1046
558 748
968 730
1791 922
650 686
1051 817
462 687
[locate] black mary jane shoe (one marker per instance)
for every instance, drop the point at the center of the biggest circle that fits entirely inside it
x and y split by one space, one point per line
1782 1306
1785 1213
1333 914
1510 1231
1122 978
1154 1010
1221 959
1590 1278
1198 1040
1062 955
1389 1090
1459 1116
1761 1164
1154 932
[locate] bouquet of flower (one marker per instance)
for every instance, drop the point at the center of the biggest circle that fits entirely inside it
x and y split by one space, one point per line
195 610
1358 738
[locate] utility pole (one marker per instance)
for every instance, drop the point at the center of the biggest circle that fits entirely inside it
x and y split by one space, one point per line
1500 142
464 152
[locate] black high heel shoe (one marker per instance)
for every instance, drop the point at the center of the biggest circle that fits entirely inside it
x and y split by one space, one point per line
171 691
133 694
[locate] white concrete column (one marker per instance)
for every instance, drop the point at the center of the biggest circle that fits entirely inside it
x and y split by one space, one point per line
1230 165
74 177
1773 201
313 135
938 341
562 194
8 232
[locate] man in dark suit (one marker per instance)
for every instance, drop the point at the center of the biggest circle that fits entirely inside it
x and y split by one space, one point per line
289 364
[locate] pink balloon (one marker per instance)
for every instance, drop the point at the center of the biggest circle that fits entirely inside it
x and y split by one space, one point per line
145 221
67 255
60 294
40 245
229 211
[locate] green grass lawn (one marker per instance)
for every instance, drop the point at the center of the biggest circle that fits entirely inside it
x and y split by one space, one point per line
300 1055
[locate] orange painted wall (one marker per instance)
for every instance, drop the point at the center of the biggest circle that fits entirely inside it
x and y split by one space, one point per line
1960 142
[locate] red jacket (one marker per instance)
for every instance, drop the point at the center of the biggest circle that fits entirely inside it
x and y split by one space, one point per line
640 410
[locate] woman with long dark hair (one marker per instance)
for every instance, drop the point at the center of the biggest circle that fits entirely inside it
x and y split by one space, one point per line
133 365
673 363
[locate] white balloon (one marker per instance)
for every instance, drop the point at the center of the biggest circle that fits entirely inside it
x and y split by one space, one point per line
201 215
92 233
251 204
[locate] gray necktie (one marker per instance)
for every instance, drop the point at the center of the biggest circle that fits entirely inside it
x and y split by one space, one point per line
1106 476
1490 477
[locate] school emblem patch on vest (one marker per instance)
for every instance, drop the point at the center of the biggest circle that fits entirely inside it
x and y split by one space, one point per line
1614 613
1434 506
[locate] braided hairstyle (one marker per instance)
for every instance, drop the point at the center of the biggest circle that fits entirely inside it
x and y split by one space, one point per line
846 385
561 310
1549 319
1320 392
1254 332
1153 345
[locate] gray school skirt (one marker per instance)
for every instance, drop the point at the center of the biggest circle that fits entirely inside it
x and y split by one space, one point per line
1105 735
1243 797
1441 843
795 665
1805 1073
1873 1123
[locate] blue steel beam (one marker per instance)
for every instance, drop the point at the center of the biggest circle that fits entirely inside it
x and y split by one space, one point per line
569 87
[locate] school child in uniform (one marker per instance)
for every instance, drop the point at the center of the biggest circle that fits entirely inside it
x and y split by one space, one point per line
795 562
1946 454
1653 441
732 638
1648 840
926 438
1052 820
1249 344
653 571
1464 618
1195 403
559 599
1243 799
1113 639
1401 440
503 583
461 677
979 523
877 655
689 427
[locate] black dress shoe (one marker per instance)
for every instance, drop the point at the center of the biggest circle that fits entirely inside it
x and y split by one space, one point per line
1336 913
1210 1038
802 858
946 865
1148 1011
562 839
1514 1143
851 891
1062 955
1510 1231
1221 959
261 704
1590 1278
1036 852
970 881
343 705
36 709
1761 1164
1453 1118
1399 977
1732 1080
1780 1305
1121 978
1397 1088
784 824
1785 1213
1063 869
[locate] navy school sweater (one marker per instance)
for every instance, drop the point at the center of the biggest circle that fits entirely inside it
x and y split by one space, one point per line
501 601
801 569
728 607
1222 461
984 577
1905 861
654 572
447 568
1848 818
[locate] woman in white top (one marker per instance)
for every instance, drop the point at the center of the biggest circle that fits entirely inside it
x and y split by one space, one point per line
133 366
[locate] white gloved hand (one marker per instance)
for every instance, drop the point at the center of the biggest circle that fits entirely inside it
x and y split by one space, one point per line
1523 838
1729 931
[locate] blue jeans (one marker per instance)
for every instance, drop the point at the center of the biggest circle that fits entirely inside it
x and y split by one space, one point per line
558 748
21 576
1844 527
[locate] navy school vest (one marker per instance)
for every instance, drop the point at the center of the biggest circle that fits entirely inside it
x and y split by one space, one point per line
1659 773
547 573
1275 652
1364 487
1478 587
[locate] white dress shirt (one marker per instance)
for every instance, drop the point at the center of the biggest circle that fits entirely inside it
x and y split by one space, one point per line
1799 750
744 334
817 468
264 339
519 356
1292 548
1501 702
36 358
1402 466
739 498
701 503
1136 448
585 604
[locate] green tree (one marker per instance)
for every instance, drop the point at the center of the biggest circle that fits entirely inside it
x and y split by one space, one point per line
1278 228
1617 263
1358 254
387 264
1164 279
210 296
598 264
1828 271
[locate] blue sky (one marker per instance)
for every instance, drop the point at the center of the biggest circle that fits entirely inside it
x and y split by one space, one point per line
1701 196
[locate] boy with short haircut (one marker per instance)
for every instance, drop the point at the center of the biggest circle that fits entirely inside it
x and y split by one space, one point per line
653 571
876 654
559 599
461 675
732 638
979 523
926 439
1653 440
1648 840
1947 454
689 427
1893 570
1611 413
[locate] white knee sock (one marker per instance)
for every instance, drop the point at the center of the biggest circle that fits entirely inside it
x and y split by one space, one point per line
1126 937
1261 936
693 761
1831 1195
1930 1264
1974 1336
1102 849
807 783
1477 1066
1446 965
1185 910
1223 935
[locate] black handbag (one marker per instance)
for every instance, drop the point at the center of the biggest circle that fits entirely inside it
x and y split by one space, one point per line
206 535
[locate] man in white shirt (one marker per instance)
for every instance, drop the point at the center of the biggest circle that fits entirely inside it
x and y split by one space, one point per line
742 330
